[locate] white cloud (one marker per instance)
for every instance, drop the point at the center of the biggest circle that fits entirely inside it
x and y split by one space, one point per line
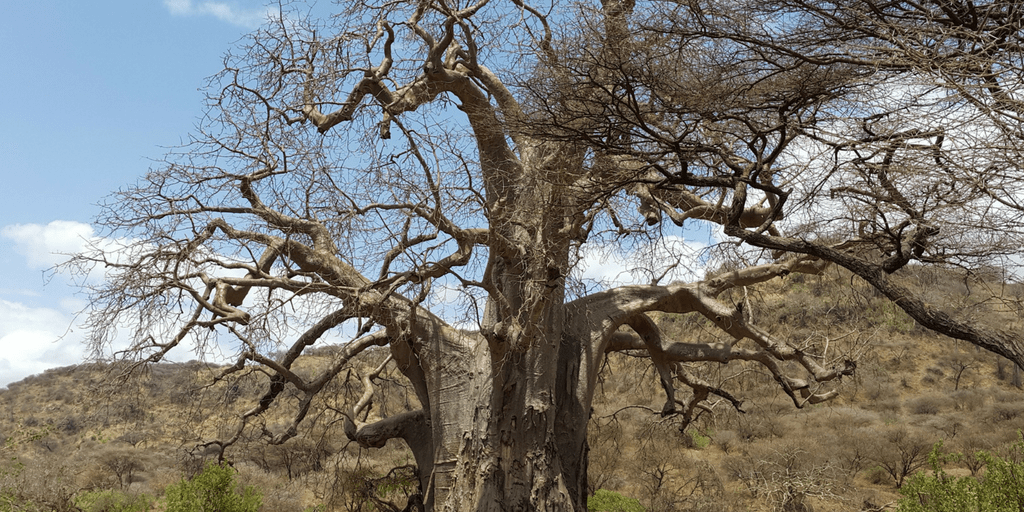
668 259
36 323
223 11
46 246
34 339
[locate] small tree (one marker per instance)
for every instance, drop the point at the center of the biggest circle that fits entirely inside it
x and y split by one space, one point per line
212 490
124 464
900 452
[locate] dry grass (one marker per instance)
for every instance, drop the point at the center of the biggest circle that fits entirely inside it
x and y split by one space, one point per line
66 422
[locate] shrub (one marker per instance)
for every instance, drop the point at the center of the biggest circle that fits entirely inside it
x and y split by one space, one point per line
1006 411
930 404
212 490
877 475
888 407
727 440
46 485
967 399
610 501
750 430
696 440
113 501
785 474
1001 488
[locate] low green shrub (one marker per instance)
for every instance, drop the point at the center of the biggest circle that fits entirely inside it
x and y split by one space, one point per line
610 501
1000 489
697 440
876 475
113 501
212 490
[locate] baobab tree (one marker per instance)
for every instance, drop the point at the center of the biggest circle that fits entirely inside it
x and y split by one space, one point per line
427 176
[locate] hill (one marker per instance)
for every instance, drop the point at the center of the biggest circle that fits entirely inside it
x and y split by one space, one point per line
77 429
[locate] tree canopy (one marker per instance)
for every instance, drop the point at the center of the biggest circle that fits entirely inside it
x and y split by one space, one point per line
431 175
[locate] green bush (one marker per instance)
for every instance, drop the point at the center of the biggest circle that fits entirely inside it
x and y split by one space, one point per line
611 501
213 490
113 501
1000 489
697 440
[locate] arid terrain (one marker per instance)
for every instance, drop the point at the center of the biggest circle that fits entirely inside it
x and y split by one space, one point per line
78 429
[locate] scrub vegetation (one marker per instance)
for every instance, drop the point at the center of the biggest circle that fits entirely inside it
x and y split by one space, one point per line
77 437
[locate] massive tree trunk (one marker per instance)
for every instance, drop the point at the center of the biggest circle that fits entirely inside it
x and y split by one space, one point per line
507 417
512 438
510 429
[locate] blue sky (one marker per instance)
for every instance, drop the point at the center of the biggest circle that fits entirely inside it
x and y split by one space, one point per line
92 93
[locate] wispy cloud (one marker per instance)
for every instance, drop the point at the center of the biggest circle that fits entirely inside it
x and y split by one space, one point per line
46 246
33 339
666 260
229 12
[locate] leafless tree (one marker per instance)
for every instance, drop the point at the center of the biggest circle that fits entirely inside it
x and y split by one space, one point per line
124 463
785 477
900 452
431 175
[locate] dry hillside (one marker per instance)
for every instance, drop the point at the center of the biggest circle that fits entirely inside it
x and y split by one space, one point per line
81 428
